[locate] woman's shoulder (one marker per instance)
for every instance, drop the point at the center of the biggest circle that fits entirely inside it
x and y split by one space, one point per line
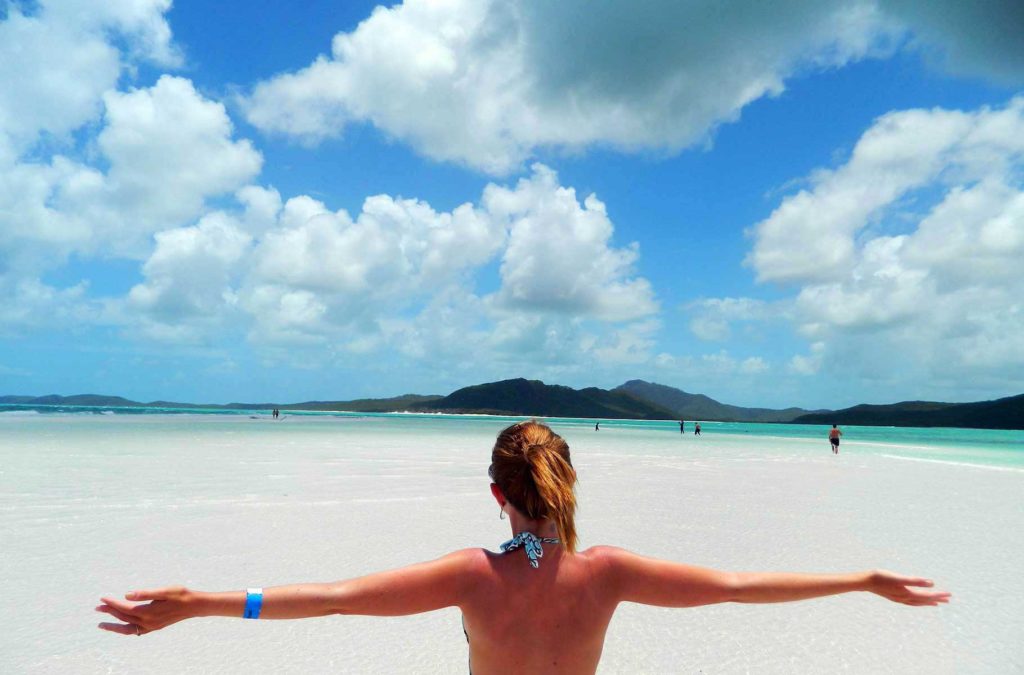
473 560
606 559
605 553
469 556
616 562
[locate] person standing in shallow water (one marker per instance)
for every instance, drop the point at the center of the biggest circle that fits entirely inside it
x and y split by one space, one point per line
539 606
696 429
682 426
833 438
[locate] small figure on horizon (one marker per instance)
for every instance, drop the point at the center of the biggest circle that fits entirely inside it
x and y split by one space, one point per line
682 426
696 429
276 413
597 427
833 438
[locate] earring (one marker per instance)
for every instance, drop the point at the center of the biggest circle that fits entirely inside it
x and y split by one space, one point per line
501 515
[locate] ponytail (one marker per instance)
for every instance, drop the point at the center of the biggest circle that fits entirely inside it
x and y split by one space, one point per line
531 465
554 477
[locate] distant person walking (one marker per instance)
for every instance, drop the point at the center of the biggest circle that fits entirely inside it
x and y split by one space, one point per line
597 427
682 426
696 429
833 438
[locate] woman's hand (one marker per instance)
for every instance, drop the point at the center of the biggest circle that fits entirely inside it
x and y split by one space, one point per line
165 606
899 588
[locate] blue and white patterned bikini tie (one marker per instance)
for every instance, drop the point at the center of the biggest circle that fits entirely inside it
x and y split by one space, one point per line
530 543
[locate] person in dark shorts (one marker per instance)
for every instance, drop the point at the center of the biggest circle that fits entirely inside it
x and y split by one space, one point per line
682 426
833 438
696 429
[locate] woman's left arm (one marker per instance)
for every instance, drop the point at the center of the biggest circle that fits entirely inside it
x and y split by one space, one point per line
408 590
664 583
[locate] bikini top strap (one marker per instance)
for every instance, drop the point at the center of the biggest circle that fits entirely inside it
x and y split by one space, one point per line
530 543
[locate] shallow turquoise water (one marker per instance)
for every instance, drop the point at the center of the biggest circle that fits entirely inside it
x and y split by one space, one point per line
987 447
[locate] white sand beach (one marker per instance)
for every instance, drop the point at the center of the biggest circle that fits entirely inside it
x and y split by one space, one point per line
93 505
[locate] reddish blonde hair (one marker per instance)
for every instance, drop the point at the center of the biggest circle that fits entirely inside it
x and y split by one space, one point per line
531 465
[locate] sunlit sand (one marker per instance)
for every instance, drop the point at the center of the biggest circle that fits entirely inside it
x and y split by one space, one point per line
99 505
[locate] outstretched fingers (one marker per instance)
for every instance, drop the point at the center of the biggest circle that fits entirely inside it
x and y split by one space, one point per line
122 611
931 598
118 614
907 590
145 611
123 628
917 581
915 598
119 604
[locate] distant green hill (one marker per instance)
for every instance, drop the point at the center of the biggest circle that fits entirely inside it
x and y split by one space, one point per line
393 404
16 400
635 399
78 399
1003 413
686 406
533 397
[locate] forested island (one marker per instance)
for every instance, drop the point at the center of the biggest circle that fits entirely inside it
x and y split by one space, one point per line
635 399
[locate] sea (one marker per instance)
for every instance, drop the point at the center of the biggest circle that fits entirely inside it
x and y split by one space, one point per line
986 447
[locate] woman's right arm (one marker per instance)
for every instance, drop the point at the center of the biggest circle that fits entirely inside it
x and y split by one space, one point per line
669 584
408 590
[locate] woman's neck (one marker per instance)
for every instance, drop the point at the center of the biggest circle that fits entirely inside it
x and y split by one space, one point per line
542 528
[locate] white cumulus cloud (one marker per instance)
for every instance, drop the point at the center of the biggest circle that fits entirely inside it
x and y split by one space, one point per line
61 57
486 83
401 275
164 152
559 255
321 271
189 279
169 150
906 258
59 193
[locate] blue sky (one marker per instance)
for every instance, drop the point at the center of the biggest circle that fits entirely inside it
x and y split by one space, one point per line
818 205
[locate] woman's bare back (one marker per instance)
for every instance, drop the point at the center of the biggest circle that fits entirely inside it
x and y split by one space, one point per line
549 619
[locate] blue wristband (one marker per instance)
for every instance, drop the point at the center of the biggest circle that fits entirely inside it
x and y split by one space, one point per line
253 603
